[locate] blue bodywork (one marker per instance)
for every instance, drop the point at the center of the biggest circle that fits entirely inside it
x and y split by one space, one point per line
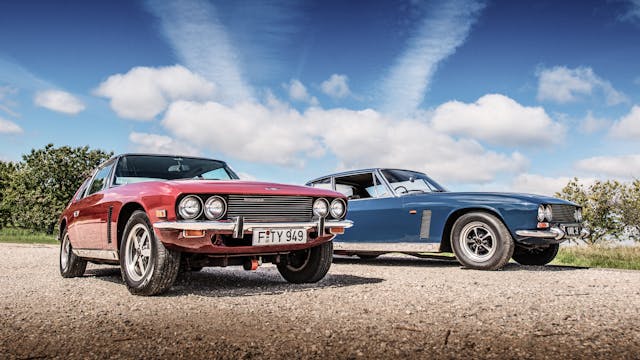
399 218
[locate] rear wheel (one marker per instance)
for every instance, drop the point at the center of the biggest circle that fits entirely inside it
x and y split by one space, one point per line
70 264
148 268
481 241
307 266
536 256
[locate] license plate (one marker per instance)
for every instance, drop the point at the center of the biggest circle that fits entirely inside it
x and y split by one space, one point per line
572 231
279 236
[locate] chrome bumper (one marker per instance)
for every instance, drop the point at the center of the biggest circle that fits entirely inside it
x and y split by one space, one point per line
552 233
239 227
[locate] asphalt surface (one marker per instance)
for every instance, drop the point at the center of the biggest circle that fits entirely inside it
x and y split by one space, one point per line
391 307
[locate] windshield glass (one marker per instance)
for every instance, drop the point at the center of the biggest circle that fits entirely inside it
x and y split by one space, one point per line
404 182
140 168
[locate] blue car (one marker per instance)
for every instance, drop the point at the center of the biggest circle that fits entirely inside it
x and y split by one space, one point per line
406 211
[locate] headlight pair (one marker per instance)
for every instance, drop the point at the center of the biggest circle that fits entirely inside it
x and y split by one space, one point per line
545 213
322 208
191 207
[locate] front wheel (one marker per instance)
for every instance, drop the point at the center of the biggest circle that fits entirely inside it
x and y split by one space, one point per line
536 256
70 264
307 266
481 241
148 268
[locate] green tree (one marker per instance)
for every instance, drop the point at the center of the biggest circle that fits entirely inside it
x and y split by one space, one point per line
7 171
45 181
600 207
630 209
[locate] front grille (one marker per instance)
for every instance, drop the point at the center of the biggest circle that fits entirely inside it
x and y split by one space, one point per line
563 213
270 208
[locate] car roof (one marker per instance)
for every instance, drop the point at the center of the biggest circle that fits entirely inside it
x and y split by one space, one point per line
357 171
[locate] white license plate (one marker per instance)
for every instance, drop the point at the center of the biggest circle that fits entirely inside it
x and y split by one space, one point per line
279 236
572 231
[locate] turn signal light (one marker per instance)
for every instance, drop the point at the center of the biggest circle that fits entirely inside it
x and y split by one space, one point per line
192 233
161 213
337 230
543 225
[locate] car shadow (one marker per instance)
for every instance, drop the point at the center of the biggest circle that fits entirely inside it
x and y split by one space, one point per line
234 282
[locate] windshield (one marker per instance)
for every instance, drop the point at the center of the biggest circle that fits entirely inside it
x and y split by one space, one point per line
140 168
404 182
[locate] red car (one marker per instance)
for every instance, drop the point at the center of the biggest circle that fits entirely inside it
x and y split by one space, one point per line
155 215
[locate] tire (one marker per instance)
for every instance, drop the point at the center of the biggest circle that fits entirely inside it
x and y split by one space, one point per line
148 268
367 256
537 256
307 266
70 264
481 241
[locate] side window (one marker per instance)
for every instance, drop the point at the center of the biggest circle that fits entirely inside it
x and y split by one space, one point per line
98 181
81 191
360 186
217 174
323 184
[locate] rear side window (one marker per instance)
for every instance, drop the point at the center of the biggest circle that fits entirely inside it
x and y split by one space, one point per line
99 180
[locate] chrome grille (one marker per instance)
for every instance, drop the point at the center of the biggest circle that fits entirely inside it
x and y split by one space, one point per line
270 208
563 213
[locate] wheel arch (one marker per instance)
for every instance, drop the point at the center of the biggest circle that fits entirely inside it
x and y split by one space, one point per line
445 242
123 217
62 228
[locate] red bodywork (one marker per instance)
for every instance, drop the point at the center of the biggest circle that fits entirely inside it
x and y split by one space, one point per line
91 229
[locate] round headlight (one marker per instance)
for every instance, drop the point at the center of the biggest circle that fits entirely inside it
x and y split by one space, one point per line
578 214
541 213
337 208
190 207
548 214
320 207
214 207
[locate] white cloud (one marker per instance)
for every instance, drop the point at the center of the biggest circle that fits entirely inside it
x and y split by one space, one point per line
437 38
336 86
144 92
298 92
246 176
160 144
59 101
8 127
200 40
278 134
6 104
633 11
591 124
563 85
624 166
498 119
538 184
628 127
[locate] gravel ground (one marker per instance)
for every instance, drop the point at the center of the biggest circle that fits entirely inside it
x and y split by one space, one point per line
391 307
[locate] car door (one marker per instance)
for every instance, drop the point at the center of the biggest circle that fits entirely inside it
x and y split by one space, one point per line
91 212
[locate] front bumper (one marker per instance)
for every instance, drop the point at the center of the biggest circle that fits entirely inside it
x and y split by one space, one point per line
239 227
555 233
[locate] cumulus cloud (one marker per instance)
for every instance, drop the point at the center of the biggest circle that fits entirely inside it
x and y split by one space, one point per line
438 36
628 127
59 101
9 127
538 184
498 119
144 92
624 166
561 84
591 124
336 86
160 144
277 134
298 92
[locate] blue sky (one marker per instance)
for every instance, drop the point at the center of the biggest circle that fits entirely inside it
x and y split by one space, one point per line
482 95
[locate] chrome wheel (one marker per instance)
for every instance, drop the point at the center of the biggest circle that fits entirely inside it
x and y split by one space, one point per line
138 253
477 241
65 251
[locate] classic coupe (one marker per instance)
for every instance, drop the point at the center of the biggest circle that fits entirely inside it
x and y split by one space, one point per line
406 211
156 215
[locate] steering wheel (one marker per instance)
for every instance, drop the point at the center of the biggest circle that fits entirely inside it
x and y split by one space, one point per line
401 187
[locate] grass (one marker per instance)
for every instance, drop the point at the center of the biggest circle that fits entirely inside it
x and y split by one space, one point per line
22 236
614 257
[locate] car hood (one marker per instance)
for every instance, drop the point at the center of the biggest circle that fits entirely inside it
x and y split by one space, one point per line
498 197
246 187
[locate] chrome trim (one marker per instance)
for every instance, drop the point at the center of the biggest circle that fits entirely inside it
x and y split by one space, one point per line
96 254
554 232
237 224
425 224
201 206
387 247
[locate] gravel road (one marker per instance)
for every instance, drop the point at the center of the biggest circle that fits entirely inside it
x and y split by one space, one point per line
391 307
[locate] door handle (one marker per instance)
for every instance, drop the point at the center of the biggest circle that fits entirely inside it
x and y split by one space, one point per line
76 213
